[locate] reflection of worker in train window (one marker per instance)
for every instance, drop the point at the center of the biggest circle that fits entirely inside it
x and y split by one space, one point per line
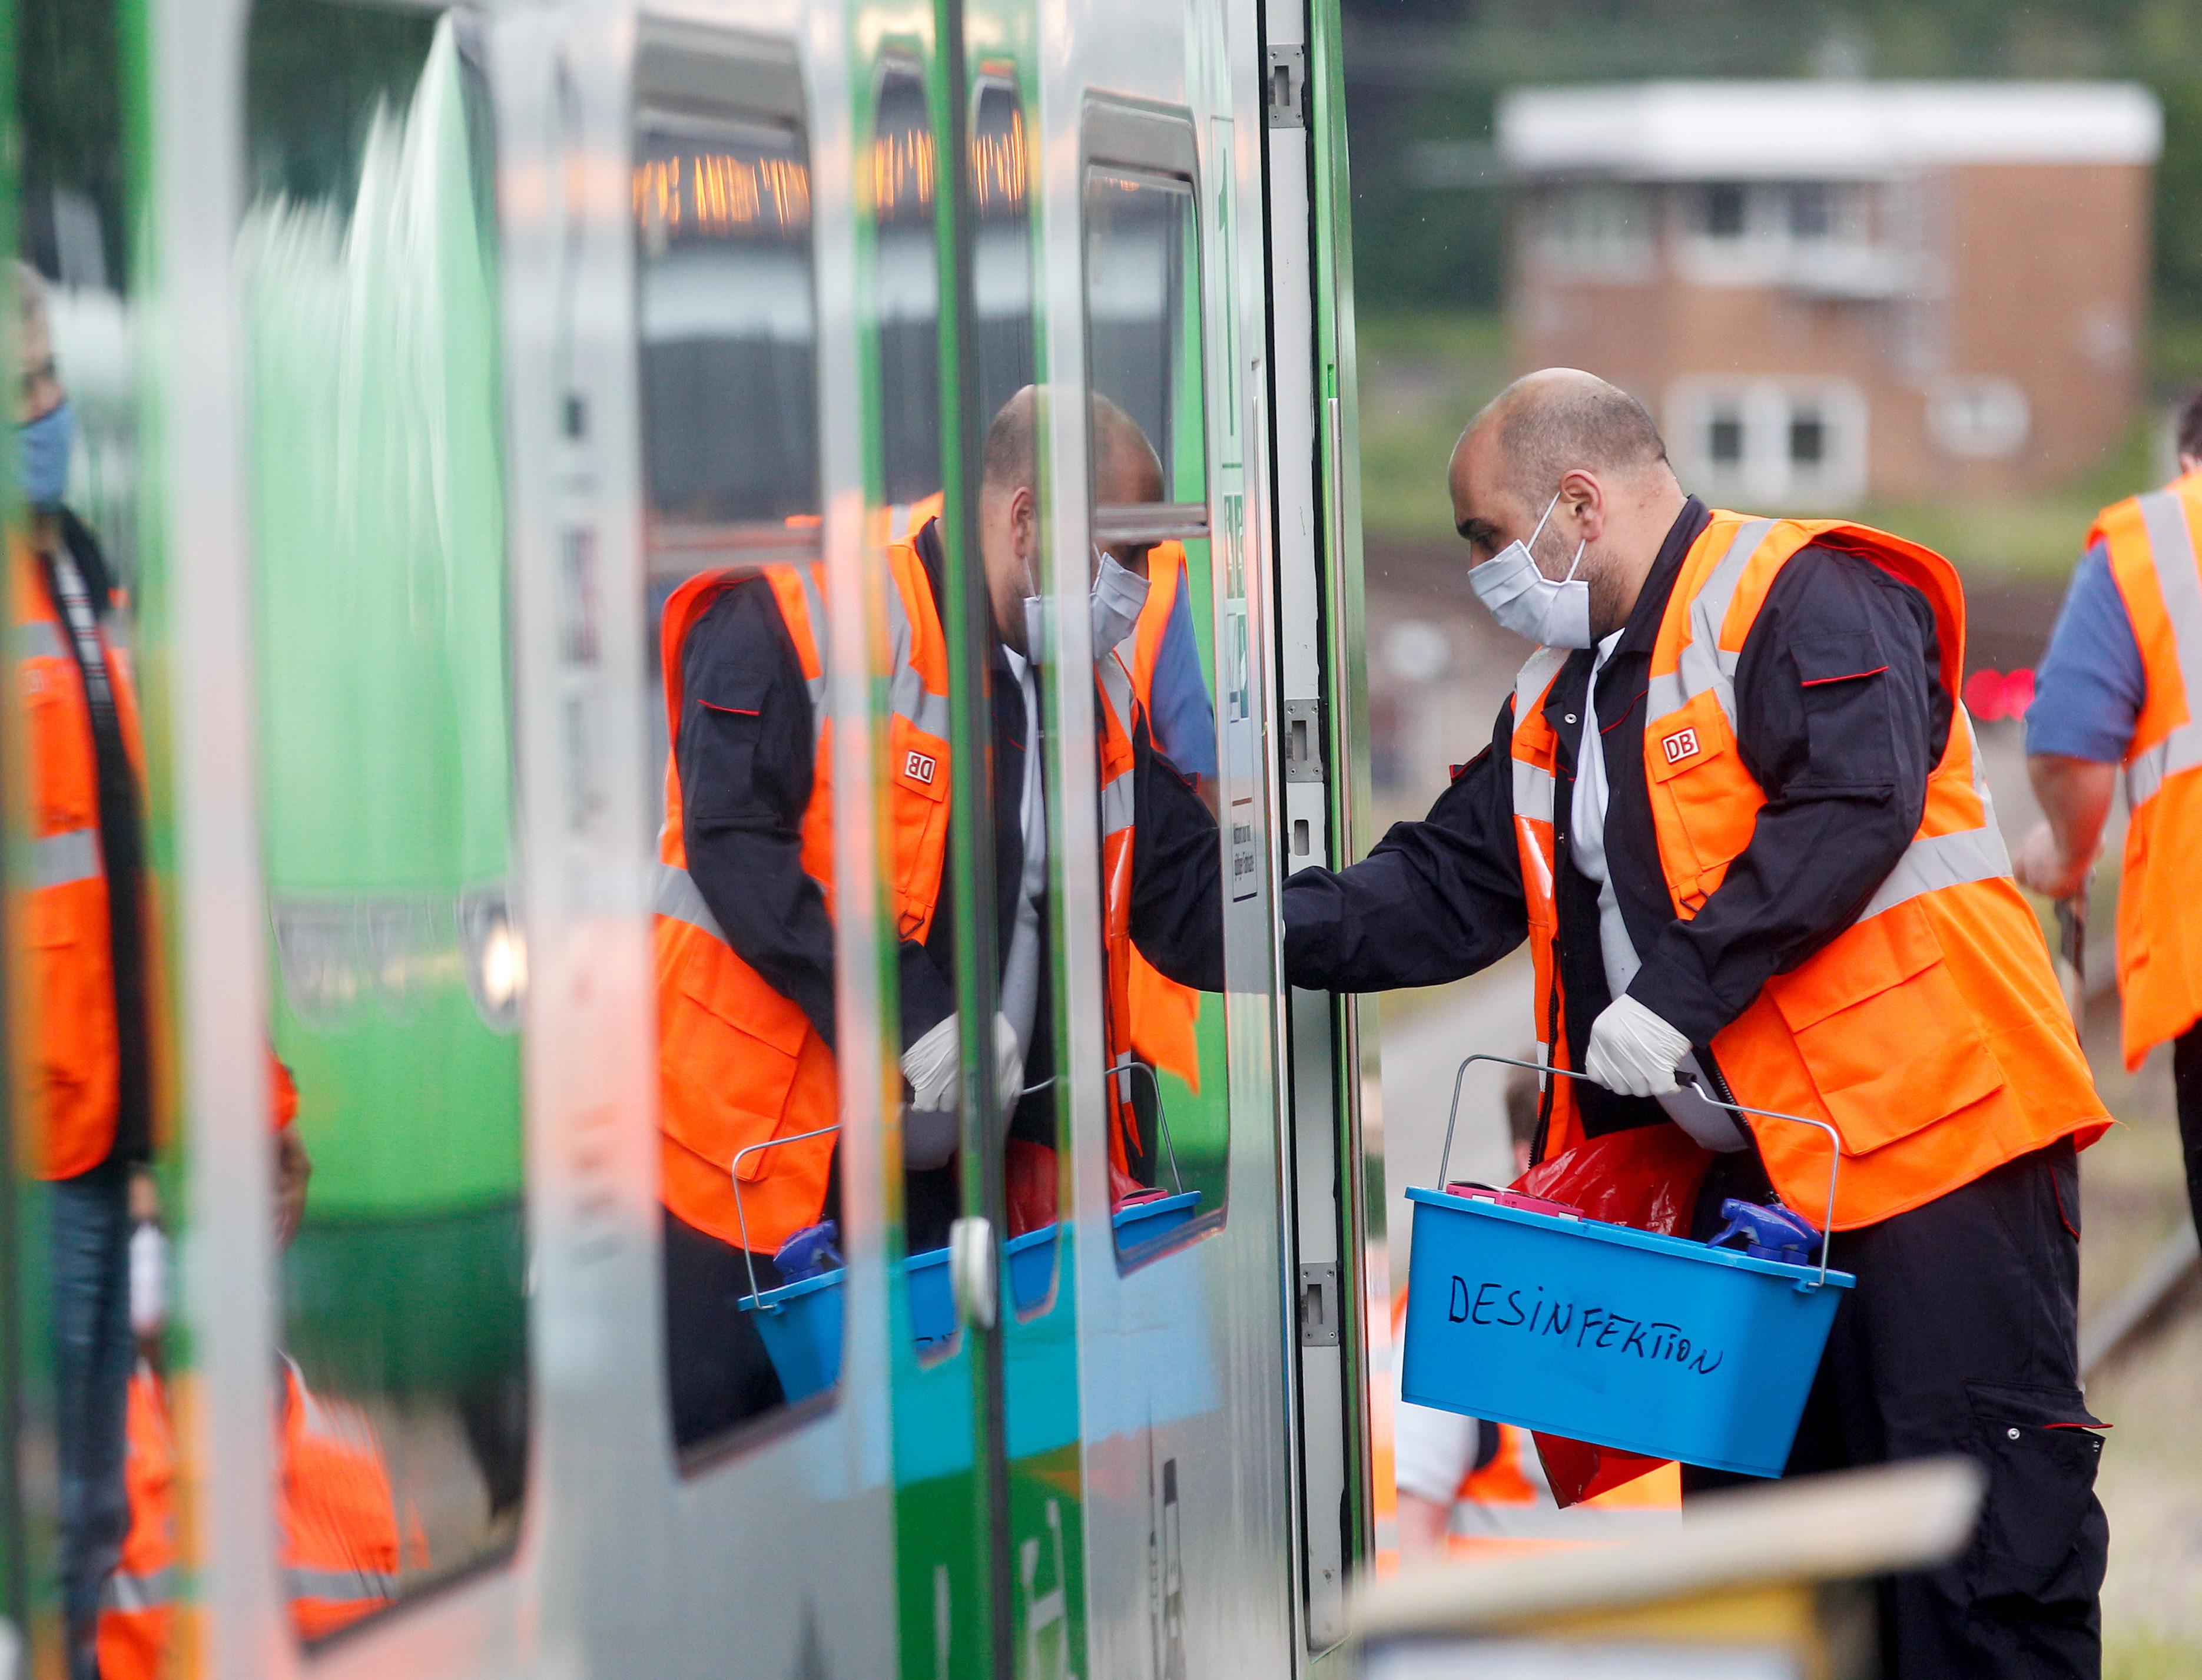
335 1514
84 920
744 932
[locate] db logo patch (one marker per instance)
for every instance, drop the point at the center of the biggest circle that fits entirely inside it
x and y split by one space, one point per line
920 769
1682 744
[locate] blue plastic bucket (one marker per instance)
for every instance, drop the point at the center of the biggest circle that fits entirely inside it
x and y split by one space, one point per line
1649 1344
801 1323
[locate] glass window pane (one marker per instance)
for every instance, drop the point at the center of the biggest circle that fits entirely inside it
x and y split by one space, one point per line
1001 252
375 426
908 278
1154 616
722 227
748 1095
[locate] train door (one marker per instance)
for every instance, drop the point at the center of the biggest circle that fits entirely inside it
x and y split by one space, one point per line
732 545
1169 962
1334 1164
939 758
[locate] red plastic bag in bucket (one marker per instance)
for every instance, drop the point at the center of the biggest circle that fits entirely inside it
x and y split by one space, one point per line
1649 1177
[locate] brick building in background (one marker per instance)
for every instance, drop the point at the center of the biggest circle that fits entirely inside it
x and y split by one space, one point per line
1832 290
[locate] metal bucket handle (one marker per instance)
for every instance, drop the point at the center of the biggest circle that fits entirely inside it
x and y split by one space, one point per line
1834 1138
742 1219
1126 1065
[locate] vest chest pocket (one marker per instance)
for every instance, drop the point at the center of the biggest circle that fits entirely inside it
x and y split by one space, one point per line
918 771
728 1050
57 730
1704 802
1888 1039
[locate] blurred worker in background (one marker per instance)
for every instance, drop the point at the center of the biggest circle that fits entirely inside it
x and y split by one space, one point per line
1470 1485
337 1517
744 929
86 954
2120 686
1732 802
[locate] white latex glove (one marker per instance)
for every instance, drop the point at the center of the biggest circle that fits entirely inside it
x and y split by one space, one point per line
931 1065
1633 1051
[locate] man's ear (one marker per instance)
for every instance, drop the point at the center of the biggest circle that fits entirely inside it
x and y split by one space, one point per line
1583 496
1024 520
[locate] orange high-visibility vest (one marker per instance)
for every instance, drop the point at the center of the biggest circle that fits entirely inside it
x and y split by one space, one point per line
69 1038
1163 1016
1121 702
740 1064
1930 1032
137 1605
340 1552
2152 545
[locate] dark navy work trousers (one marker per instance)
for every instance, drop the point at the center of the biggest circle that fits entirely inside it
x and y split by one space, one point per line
88 1230
1961 1336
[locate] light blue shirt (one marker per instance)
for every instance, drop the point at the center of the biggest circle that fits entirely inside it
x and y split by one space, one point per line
2088 690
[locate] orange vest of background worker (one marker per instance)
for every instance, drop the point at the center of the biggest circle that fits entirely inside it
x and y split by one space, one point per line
340 1549
1161 1015
71 1035
1930 1032
740 1064
2152 555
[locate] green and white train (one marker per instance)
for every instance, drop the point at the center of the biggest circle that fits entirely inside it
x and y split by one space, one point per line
421 350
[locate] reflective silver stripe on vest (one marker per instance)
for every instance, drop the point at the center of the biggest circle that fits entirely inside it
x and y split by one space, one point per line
912 701
1703 662
1534 677
1118 808
1117 684
1937 861
344 1586
40 639
59 859
815 606
680 899
2172 553
1534 791
1477 1520
132 1594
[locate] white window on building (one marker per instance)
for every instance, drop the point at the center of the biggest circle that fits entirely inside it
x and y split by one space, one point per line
1776 232
1596 230
1780 445
1978 419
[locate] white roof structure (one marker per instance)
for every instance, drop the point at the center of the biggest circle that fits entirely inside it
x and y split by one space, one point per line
1820 130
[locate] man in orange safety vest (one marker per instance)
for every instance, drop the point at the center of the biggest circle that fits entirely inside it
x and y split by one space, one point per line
1734 807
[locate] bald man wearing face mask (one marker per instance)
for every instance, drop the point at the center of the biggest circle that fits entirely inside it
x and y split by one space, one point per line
1732 804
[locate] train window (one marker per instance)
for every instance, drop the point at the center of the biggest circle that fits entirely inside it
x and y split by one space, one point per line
907 277
374 428
1154 618
1001 247
748 1098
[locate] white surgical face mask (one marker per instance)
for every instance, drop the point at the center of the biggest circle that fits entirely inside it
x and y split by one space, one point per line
1118 596
148 1280
1529 604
